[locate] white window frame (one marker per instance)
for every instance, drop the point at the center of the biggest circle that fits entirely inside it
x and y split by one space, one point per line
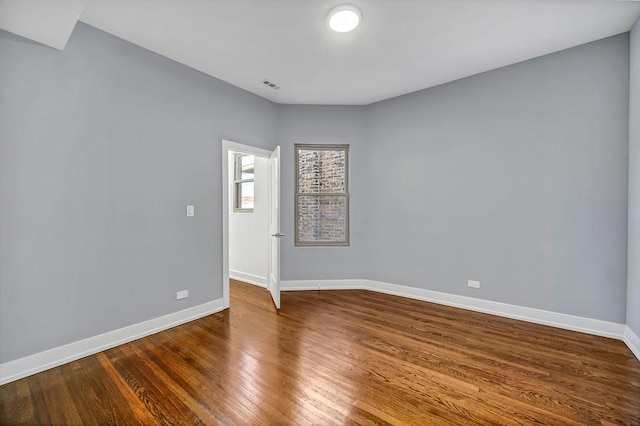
237 184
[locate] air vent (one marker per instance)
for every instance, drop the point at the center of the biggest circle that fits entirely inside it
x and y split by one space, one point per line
270 84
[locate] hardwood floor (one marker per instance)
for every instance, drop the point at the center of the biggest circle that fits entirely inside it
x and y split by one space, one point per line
339 357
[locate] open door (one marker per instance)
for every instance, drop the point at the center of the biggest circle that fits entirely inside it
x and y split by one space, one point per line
274 227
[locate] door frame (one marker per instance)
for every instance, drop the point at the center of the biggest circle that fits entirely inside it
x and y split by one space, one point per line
229 146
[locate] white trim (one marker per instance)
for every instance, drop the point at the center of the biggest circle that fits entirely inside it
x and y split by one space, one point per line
32 364
538 316
322 285
632 340
248 278
228 146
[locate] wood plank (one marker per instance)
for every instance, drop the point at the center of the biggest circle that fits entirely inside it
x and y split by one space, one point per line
340 357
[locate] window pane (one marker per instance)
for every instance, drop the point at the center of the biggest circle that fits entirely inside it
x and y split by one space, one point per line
244 195
322 218
321 171
246 167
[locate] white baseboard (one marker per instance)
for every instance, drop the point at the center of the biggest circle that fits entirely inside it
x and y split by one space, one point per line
632 340
248 278
538 316
322 285
32 364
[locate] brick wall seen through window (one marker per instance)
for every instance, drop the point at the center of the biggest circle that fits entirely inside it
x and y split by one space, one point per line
322 196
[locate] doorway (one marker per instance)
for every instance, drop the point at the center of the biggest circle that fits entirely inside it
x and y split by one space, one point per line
251 225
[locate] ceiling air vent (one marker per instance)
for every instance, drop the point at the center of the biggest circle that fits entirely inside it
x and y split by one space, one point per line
270 84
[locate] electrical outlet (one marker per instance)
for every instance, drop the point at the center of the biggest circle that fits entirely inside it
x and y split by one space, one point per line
191 211
473 284
182 294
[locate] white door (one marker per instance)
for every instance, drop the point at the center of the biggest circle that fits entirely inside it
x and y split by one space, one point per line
274 227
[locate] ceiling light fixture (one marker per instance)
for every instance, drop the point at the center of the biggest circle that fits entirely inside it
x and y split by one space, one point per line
344 18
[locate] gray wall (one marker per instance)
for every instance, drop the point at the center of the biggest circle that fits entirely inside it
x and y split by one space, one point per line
516 177
101 148
633 282
325 125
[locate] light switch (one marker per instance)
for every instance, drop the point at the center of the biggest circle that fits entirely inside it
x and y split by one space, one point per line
191 211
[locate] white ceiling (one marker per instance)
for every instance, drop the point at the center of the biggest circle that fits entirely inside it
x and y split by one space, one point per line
401 46
45 21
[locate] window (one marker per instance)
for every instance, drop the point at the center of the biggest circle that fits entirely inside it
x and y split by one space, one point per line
244 169
322 195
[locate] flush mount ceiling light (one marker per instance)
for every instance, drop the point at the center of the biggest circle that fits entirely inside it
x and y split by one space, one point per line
344 18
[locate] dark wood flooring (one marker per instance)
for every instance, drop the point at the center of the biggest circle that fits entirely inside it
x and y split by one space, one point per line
339 357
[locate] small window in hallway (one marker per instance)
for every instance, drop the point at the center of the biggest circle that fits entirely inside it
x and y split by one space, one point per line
322 195
244 169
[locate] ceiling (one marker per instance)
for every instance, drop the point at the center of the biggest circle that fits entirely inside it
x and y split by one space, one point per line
401 46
